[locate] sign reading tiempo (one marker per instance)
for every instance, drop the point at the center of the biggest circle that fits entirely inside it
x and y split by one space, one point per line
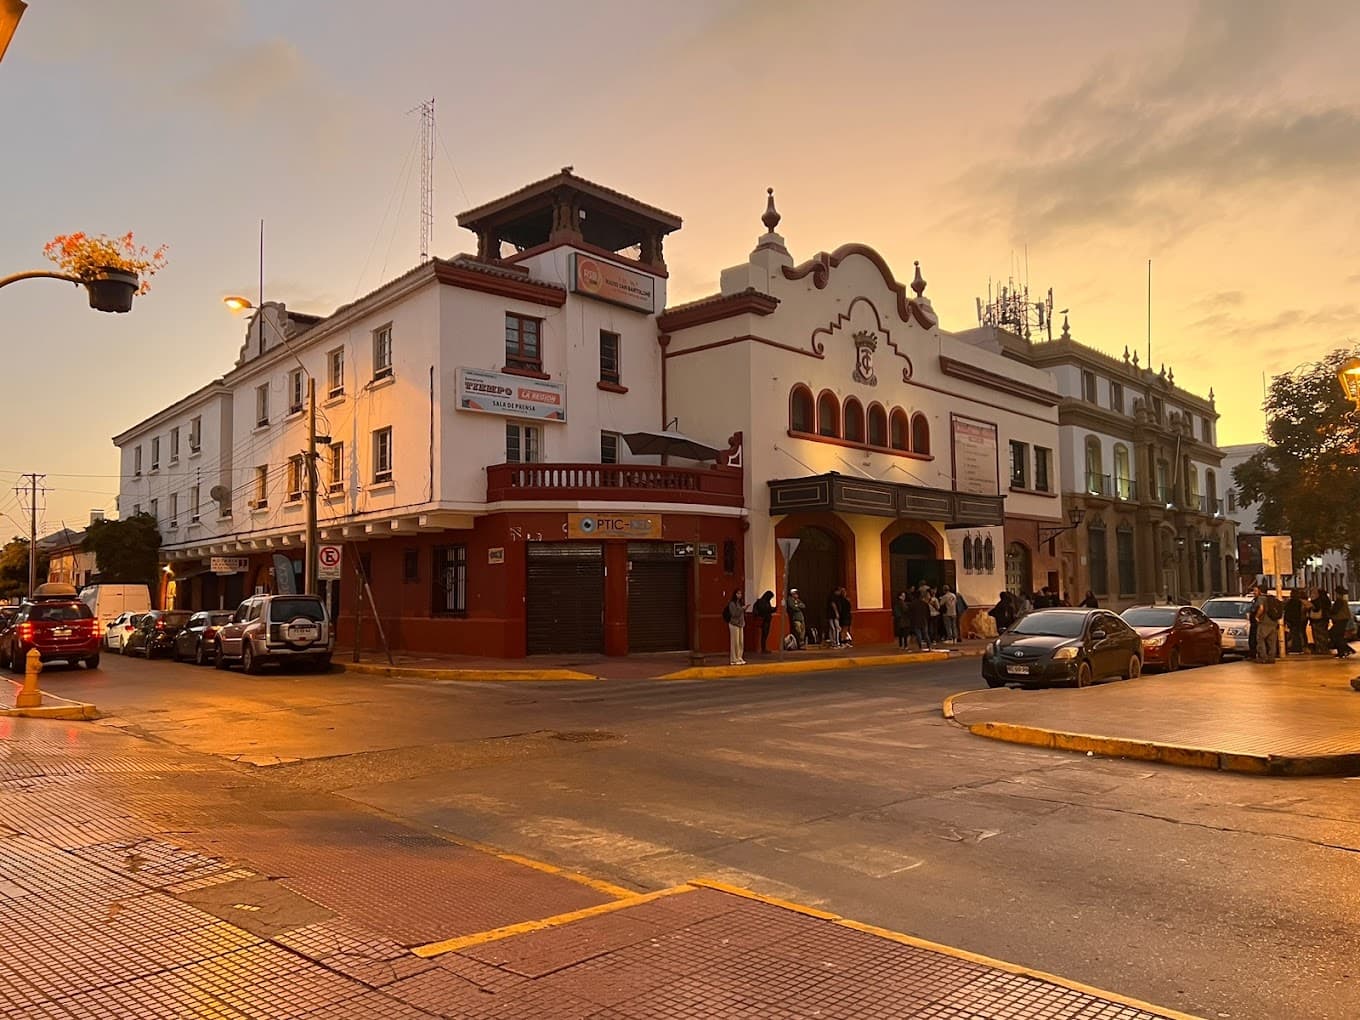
609 282
481 389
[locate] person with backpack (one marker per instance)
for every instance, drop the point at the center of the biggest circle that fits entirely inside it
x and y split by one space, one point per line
764 612
1003 612
833 620
734 615
1268 611
797 610
918 615
843 614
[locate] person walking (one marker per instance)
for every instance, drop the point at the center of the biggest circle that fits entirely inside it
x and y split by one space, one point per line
1090 601
901 620
844 611
797 610
1295 614
1267 611
1253 625
1342 622
734 614
949 615
764 612
918 614
833 620
1320 621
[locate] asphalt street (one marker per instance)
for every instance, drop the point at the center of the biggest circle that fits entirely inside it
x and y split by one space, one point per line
1218 894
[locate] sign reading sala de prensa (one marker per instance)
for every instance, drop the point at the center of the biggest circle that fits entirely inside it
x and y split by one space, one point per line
481 389
608 282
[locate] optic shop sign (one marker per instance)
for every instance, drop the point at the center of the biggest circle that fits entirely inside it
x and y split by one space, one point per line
481 389
613 526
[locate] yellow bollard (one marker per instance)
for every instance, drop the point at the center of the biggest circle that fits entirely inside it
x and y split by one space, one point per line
30 696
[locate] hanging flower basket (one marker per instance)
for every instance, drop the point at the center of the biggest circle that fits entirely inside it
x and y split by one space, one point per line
112 290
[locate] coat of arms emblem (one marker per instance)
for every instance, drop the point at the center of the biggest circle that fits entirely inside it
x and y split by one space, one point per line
866 344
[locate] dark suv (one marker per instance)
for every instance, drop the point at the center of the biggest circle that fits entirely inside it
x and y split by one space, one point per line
59 626
276 629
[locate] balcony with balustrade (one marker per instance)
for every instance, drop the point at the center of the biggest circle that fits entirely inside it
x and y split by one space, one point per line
624 483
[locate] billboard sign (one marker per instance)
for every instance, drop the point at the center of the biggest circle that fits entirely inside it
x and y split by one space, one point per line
608 282
976 467
491 392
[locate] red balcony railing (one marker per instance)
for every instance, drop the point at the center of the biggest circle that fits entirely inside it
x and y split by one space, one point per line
625 482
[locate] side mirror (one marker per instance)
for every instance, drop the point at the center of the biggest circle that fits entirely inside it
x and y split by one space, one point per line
1098 635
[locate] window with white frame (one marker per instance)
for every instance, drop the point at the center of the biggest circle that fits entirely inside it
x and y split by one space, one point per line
174 509
335 372
156 453
295 477
337 466
382 455
262 405
195 433
137 460
261 487
523 443
297 390
382 352
193 504
174 445
1088 386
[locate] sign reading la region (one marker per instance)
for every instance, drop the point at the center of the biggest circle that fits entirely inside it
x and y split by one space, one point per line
481 389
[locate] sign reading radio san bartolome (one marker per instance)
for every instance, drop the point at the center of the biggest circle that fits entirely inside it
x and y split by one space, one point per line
480 389
609 282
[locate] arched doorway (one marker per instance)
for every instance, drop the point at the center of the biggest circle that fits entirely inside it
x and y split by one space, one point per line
1019 571
912 559
816 570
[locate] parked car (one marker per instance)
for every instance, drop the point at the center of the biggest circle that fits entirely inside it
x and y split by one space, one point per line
155 633
276 629
115 634
1175 636
1230 613
1076 646
194 640
110 601
58 625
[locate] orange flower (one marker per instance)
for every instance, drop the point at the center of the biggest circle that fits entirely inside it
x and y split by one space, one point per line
84 256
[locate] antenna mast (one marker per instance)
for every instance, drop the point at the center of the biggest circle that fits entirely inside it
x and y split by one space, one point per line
426 111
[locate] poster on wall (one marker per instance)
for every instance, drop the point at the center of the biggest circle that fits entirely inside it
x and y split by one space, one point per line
976 467
612 283
481 389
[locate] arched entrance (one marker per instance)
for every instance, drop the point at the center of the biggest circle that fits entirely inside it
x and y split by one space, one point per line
912 559
816 570
1019 570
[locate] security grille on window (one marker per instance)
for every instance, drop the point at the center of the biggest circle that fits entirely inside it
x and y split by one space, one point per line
382 456
195 433
1124 553
337 478
295 472
1100 574
609 357
335 372
522 443
1019 465
262 405
523 347
382 352
449 595
156 454
174 445
295 391
609 447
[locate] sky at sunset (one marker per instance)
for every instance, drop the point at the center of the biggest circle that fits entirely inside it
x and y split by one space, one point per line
1221 140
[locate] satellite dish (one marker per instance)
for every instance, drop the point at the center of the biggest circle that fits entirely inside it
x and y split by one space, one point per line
219 492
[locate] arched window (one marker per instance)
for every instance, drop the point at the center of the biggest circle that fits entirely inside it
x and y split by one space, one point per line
1095 477
1123 480
989 555
878 425
854 420
901 431
828 415
800 409
920 434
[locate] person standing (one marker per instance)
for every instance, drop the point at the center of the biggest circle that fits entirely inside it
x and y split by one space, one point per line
1342 621
1295 613
918 614
1253 625
843 612
1090 601
1003 612
1266 610
833 619
1320 621
949 614
797 610
901 622
936 621
734 614
764 611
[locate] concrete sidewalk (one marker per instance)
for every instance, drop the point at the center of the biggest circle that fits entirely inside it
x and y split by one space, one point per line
1297 717
138 881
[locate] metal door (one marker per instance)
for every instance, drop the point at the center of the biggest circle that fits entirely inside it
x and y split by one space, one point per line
564 598
658 598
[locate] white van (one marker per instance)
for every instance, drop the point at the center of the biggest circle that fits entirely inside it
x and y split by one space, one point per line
110 601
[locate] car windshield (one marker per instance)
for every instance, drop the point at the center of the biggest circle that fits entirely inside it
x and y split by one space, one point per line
57 611
175 619
1227 609
1051 624
285 609
219 619
1149 617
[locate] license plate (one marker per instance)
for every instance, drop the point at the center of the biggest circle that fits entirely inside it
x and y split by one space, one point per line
1018 670
61 632
303 632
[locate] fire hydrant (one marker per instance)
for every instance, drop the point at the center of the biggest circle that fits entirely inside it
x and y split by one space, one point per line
30 696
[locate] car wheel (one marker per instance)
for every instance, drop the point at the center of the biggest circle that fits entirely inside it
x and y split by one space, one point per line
1173 661
1135 668
92 662
200 655
249 663
219 660
1084 675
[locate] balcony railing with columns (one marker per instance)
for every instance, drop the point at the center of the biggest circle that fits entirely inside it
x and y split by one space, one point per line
625 482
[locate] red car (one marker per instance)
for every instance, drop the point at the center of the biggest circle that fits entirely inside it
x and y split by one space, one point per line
58 625
1175 636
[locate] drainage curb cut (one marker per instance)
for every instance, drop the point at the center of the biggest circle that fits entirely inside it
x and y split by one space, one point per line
494 675
763 668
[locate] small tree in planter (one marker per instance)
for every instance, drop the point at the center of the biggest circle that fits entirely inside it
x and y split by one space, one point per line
113 269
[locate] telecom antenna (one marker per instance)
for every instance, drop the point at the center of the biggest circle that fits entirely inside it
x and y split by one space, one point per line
426 111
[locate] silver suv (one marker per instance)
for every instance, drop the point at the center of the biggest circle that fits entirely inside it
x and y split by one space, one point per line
276 629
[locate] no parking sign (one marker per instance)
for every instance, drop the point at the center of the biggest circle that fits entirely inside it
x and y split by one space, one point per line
328 559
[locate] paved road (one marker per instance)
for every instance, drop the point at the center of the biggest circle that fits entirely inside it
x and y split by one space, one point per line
1217 894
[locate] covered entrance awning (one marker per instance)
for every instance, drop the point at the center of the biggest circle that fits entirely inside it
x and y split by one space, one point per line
835 492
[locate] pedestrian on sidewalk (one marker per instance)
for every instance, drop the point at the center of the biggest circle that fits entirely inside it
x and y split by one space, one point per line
764 612
734 614
949 615
833 620
1267 610
797 611
844 611
1343 622
1320 621
1003 612
1253 627
901 620
1295 614
1090 601
936 620
918 615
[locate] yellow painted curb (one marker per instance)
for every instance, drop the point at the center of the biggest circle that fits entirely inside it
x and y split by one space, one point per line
466 675
524 927
764 668
52 707
599 885
936 947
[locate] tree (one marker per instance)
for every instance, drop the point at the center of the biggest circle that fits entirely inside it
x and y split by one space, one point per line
1307 479
14 568
126 551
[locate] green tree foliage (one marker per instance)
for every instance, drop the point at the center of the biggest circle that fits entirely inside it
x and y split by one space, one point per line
1306 482
126 551
14 568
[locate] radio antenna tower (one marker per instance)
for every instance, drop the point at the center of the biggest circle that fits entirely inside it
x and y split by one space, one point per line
427 136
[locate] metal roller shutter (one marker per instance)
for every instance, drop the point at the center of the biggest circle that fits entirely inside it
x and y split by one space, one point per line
564 598
658 598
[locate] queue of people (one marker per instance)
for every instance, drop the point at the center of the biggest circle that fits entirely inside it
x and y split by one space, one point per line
1315 622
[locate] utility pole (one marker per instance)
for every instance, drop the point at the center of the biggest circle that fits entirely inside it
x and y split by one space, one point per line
309 580
32 493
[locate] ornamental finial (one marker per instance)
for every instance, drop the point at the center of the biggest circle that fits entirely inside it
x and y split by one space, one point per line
918 284
771 217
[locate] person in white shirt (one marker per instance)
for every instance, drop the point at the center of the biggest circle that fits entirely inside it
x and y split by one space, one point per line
949 610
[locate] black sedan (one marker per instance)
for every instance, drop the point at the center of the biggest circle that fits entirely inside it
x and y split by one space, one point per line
195 640
1068 646
155 633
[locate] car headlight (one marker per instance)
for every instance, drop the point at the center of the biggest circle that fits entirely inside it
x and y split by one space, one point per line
1154 642
991 648
1065 654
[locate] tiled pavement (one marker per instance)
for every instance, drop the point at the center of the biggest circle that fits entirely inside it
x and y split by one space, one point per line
140 882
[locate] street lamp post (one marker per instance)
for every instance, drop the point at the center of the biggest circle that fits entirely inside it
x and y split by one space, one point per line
1348 375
